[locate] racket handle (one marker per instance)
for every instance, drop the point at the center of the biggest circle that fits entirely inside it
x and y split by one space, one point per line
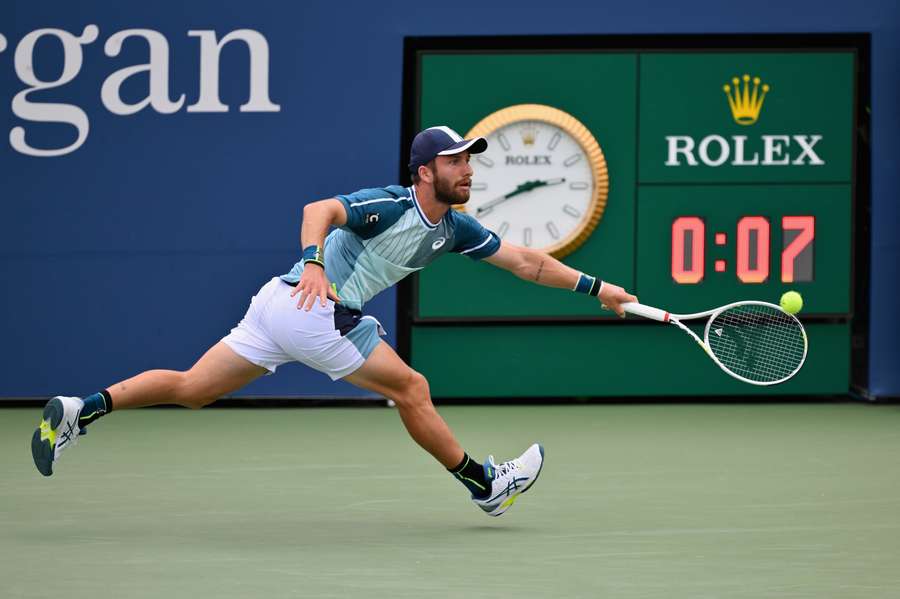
646 311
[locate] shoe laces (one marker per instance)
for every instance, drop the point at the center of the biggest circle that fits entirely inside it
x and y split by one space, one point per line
504 469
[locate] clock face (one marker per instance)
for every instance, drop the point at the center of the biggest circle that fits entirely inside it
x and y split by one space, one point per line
536 184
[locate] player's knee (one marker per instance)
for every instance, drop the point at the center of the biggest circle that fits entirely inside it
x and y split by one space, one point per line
191 392
414 390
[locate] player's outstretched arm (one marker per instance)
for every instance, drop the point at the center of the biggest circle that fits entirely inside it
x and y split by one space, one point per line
318 217
544 269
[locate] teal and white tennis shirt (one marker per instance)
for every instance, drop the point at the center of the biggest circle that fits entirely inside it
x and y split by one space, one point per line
386 237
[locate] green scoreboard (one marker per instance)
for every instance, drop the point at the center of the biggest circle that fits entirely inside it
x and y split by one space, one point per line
729 172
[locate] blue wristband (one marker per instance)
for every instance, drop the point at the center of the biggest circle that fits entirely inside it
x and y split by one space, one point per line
313 253
589 285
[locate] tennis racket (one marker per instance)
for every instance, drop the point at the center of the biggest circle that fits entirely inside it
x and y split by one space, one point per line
755 342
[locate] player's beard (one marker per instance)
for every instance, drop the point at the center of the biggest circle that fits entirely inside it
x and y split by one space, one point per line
449 193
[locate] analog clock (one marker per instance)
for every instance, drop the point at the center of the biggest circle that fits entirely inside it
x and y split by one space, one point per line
542 182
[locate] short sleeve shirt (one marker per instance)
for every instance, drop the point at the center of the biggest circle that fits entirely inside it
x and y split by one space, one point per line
387 237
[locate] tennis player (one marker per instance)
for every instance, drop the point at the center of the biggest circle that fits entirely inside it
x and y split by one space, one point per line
312 315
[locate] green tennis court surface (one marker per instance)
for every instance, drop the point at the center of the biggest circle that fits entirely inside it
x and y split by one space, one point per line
635 501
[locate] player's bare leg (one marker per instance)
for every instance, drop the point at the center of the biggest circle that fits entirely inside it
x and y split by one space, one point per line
384 372
494 487
218 372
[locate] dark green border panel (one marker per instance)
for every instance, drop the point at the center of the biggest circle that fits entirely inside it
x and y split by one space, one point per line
604 360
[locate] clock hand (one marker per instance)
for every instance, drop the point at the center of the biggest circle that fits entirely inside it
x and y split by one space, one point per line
555 181
522 188
488 205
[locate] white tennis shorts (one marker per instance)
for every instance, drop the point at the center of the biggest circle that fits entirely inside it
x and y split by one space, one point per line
274 332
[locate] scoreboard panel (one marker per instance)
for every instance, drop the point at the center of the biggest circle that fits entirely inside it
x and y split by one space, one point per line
731 177
700 246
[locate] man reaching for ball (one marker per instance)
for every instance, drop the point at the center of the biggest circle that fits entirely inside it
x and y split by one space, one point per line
313 315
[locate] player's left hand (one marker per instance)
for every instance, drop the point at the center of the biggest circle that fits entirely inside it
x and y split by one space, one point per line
314 285
612 297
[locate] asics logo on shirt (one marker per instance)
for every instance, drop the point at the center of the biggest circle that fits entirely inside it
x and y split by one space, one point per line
438 243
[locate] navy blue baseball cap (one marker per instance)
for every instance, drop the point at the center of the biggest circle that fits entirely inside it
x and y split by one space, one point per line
441 141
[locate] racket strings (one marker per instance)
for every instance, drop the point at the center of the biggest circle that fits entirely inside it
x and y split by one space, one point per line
757 342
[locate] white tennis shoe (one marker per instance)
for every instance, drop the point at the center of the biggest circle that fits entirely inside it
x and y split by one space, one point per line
510 479
57 432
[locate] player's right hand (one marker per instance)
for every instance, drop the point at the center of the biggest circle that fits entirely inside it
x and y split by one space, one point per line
314 284
612 297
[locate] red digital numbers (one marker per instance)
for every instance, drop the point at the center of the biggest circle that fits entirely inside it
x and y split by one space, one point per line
688 249
792 269
753 249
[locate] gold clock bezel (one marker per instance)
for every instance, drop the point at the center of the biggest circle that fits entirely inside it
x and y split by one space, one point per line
581 134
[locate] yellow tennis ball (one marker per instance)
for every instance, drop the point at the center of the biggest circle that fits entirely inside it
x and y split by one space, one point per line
791 302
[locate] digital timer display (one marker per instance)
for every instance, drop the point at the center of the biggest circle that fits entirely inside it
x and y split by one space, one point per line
752 263
745 241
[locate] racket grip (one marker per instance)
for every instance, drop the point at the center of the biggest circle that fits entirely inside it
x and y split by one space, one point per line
646 311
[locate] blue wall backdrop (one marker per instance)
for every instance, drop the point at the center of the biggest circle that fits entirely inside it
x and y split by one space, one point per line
142 247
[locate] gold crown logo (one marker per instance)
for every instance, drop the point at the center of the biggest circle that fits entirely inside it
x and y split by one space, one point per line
529 132
745 104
